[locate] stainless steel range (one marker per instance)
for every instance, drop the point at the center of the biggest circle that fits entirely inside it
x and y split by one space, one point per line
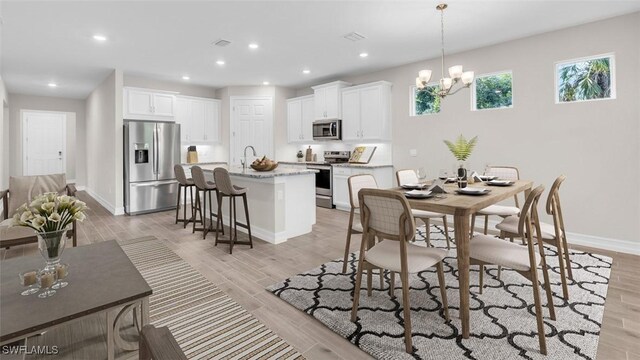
324 176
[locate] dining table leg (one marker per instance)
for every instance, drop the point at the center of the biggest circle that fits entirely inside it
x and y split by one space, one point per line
461 224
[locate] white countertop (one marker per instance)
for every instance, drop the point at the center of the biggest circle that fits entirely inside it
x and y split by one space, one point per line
237 171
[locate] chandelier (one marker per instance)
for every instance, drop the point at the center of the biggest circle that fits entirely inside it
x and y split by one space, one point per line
455 72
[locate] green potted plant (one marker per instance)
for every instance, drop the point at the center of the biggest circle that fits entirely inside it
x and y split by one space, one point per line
300 155
461 148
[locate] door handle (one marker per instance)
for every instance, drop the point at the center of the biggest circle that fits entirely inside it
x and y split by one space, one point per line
155 150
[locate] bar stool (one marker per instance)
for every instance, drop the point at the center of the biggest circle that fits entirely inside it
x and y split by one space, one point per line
183 184
207 187
227 189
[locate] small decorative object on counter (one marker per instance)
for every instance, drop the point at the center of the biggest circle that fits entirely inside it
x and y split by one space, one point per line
192 155
49 215
62 270
362 154
46 279
462 149
309 155
300 156
29 278
264 164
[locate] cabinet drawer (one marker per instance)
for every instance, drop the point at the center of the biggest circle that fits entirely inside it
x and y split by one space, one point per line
338 170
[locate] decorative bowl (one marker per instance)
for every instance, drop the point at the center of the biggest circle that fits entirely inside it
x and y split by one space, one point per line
265 167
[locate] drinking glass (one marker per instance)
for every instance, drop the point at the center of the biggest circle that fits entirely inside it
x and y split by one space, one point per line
62 270
422 174
46 279
443 174
29 278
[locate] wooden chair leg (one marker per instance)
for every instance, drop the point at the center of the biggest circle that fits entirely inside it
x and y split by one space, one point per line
446 232
566 255
407 312
348 242
178 204
428 231
205 228
499 271
538 306
443 290
547 288
486 224
563 271
369 280
481 283
233 233
356 291
246 216
218 218
195 210
392 284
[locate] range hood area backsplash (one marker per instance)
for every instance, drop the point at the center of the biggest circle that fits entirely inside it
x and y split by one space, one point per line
382 156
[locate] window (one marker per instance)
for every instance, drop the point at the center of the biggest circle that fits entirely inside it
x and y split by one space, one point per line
425 101
590 78
492 91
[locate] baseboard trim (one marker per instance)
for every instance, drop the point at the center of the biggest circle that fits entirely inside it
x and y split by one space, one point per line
107 205
598 242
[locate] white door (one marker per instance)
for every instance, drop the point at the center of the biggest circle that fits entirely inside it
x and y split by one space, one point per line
251 124
163 104
43 145
351 115
294 120
307 119
139 102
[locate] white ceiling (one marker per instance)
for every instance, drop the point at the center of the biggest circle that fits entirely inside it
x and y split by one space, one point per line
51 41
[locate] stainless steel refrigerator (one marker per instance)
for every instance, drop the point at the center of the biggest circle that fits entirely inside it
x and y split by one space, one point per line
151 149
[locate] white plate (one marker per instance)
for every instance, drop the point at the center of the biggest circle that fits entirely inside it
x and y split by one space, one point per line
472 190
418 194
414 186
500 182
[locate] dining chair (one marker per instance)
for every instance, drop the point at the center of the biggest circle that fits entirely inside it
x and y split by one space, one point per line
227 189
356 183
386 214
524 259
552 234
184 184
504 173
409 176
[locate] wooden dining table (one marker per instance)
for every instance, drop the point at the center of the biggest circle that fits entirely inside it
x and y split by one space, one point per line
462 207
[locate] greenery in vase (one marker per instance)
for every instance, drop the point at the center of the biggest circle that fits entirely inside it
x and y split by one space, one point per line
461 148
50 212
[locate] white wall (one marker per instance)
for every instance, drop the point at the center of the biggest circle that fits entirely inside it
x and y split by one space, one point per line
76 147
594 143
104 128
4 137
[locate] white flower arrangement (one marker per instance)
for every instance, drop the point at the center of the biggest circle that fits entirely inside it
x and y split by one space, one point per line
50 212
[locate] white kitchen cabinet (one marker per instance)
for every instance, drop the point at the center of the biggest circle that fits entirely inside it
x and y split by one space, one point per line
366 112
146 104
341 174
199 119
327 100
300 119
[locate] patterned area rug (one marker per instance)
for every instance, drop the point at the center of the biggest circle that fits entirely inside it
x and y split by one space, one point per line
503 324
206 323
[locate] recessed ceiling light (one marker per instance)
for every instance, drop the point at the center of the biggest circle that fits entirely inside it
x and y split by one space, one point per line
306 71
99 37
185 77
265 83
220 62
52 85
253 46
364 55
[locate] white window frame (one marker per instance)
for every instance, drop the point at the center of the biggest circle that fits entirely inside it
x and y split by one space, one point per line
474 96
412 100
612 74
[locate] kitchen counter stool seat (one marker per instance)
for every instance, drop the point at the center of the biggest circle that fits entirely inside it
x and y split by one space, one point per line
200 207
184 183
226 189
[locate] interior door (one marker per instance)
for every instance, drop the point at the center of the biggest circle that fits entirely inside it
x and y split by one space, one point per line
44 139
251 124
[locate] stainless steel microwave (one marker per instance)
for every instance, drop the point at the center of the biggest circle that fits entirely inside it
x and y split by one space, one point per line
327 130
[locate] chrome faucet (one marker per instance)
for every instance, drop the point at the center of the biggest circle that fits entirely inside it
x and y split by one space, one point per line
244 163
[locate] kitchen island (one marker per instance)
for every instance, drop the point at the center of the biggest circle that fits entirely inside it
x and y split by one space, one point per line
282 202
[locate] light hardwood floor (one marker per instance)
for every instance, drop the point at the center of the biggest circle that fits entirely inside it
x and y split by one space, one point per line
246 273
